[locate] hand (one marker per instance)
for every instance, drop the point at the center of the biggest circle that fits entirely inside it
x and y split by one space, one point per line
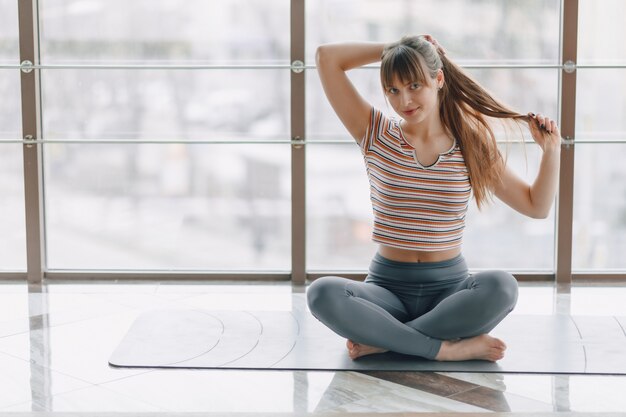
545 132
435 44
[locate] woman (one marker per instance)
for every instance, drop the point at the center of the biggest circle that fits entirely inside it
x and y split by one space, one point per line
418 297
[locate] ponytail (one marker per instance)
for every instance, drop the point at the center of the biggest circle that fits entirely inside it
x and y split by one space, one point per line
463 107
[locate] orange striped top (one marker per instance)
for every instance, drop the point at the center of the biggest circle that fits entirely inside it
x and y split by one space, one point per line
415 207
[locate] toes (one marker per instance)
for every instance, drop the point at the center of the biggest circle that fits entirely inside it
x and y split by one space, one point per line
496 354
500 344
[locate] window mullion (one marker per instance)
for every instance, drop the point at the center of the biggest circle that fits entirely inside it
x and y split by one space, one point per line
31 130
569 36
298 152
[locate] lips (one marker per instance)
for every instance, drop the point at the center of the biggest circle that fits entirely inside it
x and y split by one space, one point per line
409 112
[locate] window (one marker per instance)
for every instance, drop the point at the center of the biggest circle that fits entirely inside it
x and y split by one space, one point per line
12 227
169 131
338 196
170 205
599 227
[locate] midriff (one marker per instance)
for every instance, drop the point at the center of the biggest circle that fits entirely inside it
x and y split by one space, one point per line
407 255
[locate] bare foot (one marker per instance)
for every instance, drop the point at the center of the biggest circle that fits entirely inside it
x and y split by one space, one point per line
356 350
482 347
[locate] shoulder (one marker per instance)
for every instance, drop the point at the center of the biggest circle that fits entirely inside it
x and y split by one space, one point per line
380 126
379 122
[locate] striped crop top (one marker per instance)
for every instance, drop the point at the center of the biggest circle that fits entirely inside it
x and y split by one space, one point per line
415 207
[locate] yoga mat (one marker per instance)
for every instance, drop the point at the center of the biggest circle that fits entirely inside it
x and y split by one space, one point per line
187 338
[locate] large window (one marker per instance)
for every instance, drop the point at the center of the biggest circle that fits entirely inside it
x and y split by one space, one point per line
169 131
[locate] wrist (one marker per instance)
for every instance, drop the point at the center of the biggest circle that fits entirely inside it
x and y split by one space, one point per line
552 149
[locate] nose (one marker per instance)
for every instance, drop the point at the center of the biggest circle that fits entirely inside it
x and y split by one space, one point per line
406 97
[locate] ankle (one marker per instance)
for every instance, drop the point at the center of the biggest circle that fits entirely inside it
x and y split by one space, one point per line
444 350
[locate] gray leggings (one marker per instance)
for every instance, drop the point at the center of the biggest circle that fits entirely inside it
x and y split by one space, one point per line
411 307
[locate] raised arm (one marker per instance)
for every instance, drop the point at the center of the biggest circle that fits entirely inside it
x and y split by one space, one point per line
535 200
333 60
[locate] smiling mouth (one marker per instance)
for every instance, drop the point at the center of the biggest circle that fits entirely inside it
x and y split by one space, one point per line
409 112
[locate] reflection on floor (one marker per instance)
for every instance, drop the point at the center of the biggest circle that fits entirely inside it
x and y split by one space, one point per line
55 341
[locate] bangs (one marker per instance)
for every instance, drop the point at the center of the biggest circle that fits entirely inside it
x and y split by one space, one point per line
402 63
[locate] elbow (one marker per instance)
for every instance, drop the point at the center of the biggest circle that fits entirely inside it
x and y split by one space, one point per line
538 208
326 57
320 54
540 214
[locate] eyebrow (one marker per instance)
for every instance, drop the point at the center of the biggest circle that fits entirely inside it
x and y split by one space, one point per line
410 82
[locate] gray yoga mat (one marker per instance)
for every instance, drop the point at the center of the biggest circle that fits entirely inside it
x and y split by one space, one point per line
296 340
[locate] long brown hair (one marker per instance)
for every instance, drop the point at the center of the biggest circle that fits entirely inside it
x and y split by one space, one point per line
463 107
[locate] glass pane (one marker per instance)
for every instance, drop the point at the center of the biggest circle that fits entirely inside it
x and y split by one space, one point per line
601 104
12 225
168 206
193 31
601 32
339 217
9 34
321 120
146 104
599 228
523 90
10 105
499 237
339 212
471 31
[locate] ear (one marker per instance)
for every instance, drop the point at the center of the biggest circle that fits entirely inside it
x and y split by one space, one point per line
440 78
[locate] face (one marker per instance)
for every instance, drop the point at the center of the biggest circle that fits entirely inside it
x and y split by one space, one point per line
415 101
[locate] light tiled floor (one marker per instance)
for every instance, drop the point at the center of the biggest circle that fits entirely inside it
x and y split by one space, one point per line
55 342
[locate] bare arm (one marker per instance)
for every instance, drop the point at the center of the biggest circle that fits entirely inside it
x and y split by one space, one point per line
333 60
536 200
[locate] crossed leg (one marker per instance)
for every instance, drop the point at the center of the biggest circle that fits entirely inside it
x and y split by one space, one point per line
367 314
376 320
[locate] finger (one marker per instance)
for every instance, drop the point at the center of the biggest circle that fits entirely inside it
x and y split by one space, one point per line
540 119
546 124
554 128
535 124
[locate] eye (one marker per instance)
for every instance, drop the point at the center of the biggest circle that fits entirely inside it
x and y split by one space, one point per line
392 90
415 86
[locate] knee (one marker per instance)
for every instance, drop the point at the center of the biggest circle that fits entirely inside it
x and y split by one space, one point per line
321 292
503 287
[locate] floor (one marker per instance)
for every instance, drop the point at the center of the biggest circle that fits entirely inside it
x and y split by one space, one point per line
55 341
